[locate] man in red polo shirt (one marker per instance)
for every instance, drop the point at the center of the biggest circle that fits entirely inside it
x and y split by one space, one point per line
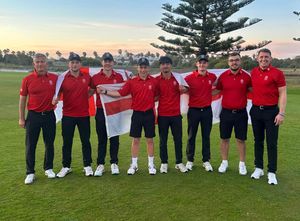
39 87
75 92
143 90
169 114
106 76
269 90
200 92
234 85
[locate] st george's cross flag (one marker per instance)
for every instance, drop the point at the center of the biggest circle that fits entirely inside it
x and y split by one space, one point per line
118 111
92 101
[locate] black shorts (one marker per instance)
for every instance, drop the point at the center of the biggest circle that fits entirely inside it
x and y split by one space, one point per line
234 118
142 119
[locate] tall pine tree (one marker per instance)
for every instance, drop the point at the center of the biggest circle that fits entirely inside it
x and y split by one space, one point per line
199 25
298 14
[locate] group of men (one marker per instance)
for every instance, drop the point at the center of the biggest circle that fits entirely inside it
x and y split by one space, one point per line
266 83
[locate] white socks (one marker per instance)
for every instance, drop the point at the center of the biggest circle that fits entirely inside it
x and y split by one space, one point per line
150 161
134 161
225 162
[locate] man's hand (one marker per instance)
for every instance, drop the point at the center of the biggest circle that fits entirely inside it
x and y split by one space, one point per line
182 89
279 119
101 90
55 100
22 123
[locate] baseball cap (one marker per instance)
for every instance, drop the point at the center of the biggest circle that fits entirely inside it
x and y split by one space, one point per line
165 60
202 57
107 57
74 57
143 61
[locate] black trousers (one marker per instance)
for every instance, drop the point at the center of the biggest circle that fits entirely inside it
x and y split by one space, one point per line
263 125
68 128
175 123
102 140
196 116
34 123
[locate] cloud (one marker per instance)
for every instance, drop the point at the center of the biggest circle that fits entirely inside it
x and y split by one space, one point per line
89 24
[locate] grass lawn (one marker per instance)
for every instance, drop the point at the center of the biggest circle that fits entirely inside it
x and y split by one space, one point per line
197 195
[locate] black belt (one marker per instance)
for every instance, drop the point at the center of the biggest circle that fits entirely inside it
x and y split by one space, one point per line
234 111
146 111
262 107
201 108
43 113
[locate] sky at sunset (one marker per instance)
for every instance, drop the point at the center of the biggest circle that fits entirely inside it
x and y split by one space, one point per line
102 25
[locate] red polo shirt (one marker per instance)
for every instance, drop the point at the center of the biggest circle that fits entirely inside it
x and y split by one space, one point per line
101 78
169 96
200 88
40 89
265 84
75 95
234 88
143 92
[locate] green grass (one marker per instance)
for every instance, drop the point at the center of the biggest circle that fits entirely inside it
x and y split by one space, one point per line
197 195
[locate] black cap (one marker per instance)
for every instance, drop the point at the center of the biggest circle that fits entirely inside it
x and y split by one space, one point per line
165 60
107 57
143 61
74 57
203 57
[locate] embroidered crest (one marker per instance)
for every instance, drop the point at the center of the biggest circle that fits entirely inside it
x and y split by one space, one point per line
174 83
150 87
209 81
266 78
83 80
50 82
115 81
242 81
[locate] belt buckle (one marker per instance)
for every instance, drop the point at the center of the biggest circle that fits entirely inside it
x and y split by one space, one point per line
234 111
201 109
43 113
261 107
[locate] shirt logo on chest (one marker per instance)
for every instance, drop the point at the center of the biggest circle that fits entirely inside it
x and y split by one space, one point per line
209 82
115 81
83 80
150 87
242 81
174 83
50 82
266 78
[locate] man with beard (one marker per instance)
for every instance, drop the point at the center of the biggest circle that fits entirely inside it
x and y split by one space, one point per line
234 85
169 114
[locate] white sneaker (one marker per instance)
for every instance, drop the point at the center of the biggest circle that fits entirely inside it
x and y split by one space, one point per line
88 171
152 170
207 166
181 167
272 179
50 174
223 167
242 169
189 165
114 169
63 172
257 173
132 169
164 168
29 178
99 171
